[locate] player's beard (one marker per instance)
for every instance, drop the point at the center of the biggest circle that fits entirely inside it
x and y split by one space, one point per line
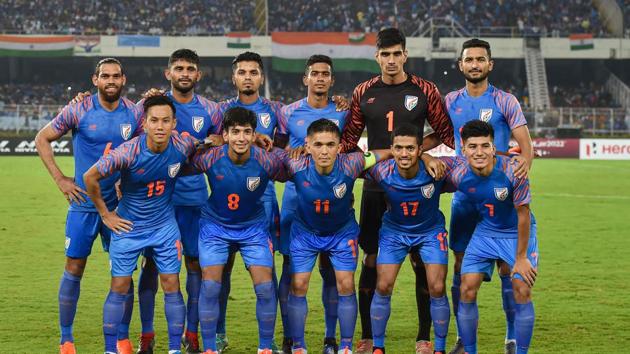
476 80
110 98
183 89
247 92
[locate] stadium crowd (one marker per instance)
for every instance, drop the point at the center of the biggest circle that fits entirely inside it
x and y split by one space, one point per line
217 17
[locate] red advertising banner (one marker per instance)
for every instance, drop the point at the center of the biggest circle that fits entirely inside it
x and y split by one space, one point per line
550 148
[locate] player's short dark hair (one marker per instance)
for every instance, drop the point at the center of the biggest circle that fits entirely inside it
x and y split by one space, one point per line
477 128
318 58
407 129
188 55
323 125
159 100
97 69
238 116
475 43
390 37
248 56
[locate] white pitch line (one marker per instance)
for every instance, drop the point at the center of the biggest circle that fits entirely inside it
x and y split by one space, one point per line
586 196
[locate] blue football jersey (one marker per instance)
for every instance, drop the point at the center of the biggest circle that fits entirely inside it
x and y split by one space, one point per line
235 200
496 107
96 132
413 204
495 196
147 179
297 116
268 113
198 118
325 201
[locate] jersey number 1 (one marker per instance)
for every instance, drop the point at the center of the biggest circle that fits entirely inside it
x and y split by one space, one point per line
390 121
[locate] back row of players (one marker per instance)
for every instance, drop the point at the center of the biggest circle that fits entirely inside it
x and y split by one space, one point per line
165 208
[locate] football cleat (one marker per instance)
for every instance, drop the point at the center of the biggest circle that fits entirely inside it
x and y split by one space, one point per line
345 350
458 348
210 351
174 352
146 343
67 348
287 344
298 351
424 347
510 347
124 346
378 350
265 351
190 342
330 346
222 342
365 346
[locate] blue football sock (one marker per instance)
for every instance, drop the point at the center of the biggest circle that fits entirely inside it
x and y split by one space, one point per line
379 312
441 315
266 308
347 309
175 311
524 324
226 286
455 291
193 285
467 320
147 288
330 298
123 328
298 308
69 290
113 310
283 298
209 312
508 305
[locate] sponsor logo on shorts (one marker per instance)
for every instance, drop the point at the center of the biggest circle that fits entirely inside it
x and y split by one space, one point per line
197 123
125 131
501 193
253 183
173 169
67 242
340 190
411 102
485 114
265 119
428 190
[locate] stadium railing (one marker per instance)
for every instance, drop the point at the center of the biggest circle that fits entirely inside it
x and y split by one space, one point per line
26 118
592 121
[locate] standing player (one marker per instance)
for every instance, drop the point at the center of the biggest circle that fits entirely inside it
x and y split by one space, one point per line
98 124
199 118
413 222
381 104
234 218
325 223
293 124
506 231
480 100
148 166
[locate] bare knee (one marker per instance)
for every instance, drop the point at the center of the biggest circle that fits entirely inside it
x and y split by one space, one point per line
345 284
436 289
522 292
299 286
170 282
468 291
75 266
457 266
120 285
192 265
385 287
369 260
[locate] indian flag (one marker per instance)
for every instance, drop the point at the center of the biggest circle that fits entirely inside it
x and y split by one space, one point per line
581 41
239 40
36 46
349 51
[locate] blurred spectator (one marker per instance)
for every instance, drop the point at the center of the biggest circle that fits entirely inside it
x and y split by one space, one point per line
582 95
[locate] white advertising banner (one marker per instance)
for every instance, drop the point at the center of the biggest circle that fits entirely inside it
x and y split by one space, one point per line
605 149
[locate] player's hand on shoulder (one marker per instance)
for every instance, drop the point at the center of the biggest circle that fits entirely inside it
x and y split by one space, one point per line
70 190
436 168
522 166
263 141
80 97
209 142
116 223
153 92
524 267
297 152
341 103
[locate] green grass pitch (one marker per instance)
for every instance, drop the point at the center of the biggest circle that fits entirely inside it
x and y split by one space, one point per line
581 296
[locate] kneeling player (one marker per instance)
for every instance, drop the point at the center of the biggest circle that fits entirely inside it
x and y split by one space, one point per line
506 231
413 221
149 165
233 218
325 223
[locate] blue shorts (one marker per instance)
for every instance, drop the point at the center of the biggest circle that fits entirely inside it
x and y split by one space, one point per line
431 246
164 245
464 217
287 214
273 217
483 252
81 231
188 222
341 247
216 242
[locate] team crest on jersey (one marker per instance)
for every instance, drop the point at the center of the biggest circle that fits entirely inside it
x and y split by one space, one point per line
411 102
173 169
265 119
197 123
125 131
428 190
340 190
501 193
253 183
485 114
